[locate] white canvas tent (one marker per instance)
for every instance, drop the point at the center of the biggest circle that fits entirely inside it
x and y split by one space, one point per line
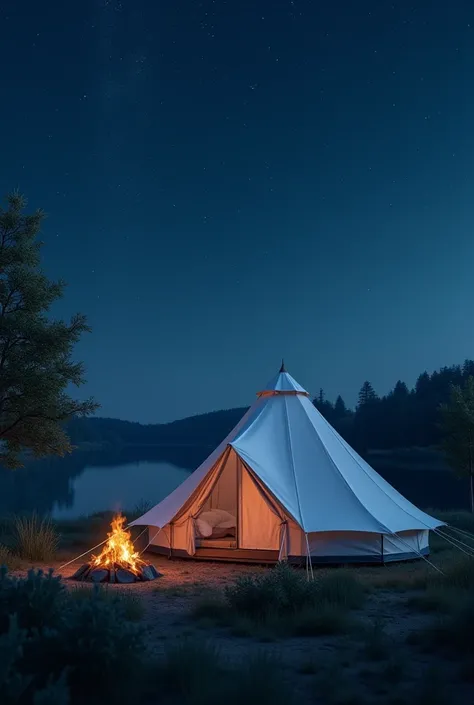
295 489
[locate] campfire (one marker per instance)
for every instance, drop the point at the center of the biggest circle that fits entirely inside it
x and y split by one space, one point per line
118 562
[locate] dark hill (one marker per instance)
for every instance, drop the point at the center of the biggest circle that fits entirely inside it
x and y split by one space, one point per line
201 430
404 418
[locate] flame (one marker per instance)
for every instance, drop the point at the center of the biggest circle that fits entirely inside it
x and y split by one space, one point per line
118 550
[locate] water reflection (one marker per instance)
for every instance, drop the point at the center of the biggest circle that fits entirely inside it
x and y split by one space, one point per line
86 482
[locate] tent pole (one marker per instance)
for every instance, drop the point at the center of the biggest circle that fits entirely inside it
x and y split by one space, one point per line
308 559
283 537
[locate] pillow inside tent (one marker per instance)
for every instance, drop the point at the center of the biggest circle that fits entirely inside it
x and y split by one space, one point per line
203 528
215 517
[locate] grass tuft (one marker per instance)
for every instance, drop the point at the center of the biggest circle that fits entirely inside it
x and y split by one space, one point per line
35 538
8 558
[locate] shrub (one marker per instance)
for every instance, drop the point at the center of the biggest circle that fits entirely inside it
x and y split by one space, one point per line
286 602
18 684
126 601
102 651
8 558
37 600
61 641
36 538
341 588
281 591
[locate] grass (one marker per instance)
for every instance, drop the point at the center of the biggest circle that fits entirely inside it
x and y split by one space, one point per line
195 673
369 665
282 602
377 644
8 558
35 538
129 602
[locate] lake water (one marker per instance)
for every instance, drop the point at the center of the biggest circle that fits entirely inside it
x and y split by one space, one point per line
122 487
89 482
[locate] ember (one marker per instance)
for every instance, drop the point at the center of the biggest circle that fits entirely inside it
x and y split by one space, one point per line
118 562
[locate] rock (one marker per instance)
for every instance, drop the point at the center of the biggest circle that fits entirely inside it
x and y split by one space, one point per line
125 576
148 573
81 572
98 575
154 571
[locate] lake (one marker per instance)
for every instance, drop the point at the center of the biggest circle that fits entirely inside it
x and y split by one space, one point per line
88 482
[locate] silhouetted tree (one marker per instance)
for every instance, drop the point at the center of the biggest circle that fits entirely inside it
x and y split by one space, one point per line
35 353
367 394
457 424
340 409
401 419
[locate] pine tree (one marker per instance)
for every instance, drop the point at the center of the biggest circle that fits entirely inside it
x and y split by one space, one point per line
340 409
400 392
35 352
367 394
457 425
423 386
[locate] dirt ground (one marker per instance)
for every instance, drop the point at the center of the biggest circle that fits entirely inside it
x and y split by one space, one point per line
358 676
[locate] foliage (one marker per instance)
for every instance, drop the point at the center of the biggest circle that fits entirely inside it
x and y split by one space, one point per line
53 645
457 424
35 353
127 602
98 645
36 538
403 418
285 601
8 558
36 600
194 673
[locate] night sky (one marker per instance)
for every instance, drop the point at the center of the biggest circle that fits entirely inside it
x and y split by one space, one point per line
232 182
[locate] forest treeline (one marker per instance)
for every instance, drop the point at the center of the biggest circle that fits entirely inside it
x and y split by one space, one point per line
404 418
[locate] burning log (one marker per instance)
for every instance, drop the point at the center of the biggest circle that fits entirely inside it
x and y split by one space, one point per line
118 562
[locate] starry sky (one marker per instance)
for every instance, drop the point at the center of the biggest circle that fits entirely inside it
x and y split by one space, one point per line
230 182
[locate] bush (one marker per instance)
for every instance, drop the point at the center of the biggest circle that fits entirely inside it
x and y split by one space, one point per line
285 601
36 538
126 601
52 642
36 600
18 684
102 652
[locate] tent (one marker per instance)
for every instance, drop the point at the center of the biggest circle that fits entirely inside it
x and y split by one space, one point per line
284 485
